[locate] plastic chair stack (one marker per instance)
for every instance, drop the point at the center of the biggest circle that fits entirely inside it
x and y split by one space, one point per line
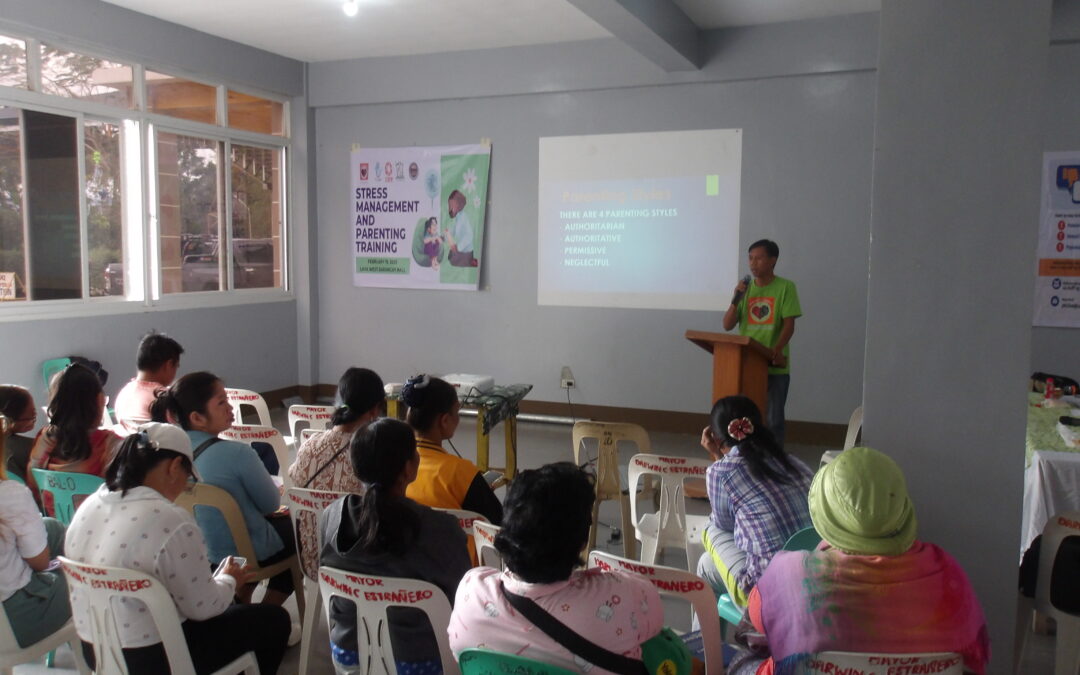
210 496
312 503
66 487
681 584
102 584
608 484
372 622
242 398
254 433
669 526
1067 651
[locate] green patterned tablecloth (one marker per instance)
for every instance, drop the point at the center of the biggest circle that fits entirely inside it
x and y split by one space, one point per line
1042 433
498 404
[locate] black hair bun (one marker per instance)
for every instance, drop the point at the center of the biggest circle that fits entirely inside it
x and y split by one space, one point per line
414 391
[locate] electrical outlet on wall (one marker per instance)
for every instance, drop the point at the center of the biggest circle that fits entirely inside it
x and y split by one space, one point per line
566 379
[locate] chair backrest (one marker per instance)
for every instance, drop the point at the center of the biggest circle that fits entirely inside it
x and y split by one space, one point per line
672 471
805 539
308 433
313 502
65 487
487 662
942 663
211 496
608 435
255 433
681 584
1057 529
484 541
100 585
372 596
315 416
238 398
854 426
466 519
52 367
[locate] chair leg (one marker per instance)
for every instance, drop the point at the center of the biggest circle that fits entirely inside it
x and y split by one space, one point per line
1067 652
595 524
629 531
298 587
311 615
1025 607
50 658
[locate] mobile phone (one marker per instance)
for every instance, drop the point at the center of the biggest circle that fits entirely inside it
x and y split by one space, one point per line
240 560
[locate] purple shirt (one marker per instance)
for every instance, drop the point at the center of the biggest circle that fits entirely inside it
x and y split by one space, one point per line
762 514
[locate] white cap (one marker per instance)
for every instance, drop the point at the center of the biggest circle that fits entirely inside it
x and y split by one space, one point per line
163 436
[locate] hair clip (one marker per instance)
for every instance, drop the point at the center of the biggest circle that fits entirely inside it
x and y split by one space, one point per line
740 428
420 381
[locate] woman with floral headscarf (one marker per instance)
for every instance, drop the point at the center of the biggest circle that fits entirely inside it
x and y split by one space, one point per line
758 498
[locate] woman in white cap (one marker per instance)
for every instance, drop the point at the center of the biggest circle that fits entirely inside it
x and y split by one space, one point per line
869 587
155 536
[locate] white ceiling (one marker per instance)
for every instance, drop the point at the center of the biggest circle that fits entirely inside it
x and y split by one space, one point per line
317 30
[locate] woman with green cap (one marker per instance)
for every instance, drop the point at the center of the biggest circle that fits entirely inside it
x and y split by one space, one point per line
869 587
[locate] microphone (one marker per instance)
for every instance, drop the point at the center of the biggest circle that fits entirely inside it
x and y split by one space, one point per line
738 294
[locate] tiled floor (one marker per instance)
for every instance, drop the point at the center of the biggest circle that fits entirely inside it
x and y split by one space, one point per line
540 444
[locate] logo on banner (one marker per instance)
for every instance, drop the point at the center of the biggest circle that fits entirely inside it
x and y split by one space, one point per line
378 170
761 311
388 171
363 170
400 166
414 171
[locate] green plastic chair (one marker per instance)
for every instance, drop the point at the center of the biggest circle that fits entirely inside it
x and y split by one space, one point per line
65 487
805 539
52 367
486 662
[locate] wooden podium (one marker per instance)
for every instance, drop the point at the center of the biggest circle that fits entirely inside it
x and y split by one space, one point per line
740 365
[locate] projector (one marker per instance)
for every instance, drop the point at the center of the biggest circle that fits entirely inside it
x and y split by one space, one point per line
470 385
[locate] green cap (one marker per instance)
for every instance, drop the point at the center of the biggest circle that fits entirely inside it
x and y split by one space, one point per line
859 504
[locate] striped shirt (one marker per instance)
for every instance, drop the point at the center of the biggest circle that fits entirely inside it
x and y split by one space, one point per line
762 514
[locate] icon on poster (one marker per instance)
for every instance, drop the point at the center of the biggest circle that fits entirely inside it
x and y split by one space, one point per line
1055 284
1060 247
1061 224
1054 301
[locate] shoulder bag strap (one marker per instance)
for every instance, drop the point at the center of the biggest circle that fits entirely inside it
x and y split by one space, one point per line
574 643
326 464
203 446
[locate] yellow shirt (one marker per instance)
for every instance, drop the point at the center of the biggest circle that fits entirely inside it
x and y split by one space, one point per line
443 479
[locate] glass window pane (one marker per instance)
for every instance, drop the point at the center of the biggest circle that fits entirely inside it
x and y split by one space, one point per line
52 189
104 216
255 114
256 217
12 252
74 75
177 97
188 213
12 62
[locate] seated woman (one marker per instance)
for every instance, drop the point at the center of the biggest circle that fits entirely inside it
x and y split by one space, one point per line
323 462
445 481
758 497
197 402
869 587
156 537
548 513
35 597
17 405
384 533
72 441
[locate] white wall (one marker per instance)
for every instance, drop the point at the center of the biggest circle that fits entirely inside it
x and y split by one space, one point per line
806 183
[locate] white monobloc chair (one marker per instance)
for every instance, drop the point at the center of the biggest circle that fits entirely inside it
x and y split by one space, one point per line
466 519
256 433
681 584
854 426
316 417
1067 651
669 525
116 582
484 541
312 503
608 435
372 624
241 398
11 654
308 433
941 663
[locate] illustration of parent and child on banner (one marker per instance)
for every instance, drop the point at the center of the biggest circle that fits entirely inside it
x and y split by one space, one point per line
418 215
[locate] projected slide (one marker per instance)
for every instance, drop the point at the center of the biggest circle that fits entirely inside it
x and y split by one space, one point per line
640 220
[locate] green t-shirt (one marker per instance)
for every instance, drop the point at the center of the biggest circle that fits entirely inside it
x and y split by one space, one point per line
762 311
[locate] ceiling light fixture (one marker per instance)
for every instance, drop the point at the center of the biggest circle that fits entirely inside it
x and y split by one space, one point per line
351 7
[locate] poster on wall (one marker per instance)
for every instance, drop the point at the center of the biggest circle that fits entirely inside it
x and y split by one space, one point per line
418 216
1057 282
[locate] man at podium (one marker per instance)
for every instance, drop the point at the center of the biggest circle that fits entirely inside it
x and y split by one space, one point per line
765 309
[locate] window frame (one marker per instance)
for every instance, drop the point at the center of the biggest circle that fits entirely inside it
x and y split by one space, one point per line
146 224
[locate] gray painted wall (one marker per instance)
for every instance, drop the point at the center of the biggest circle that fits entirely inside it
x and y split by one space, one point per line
948 331
806 183
250 345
